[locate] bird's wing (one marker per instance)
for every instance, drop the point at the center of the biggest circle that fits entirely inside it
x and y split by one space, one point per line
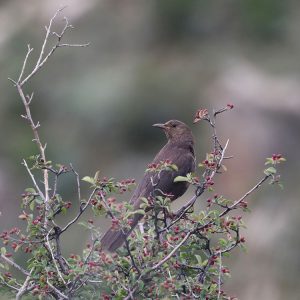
151 182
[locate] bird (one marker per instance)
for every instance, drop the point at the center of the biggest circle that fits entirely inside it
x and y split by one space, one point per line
179 150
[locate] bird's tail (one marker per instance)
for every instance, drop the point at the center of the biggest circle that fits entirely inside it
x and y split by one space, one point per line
113 239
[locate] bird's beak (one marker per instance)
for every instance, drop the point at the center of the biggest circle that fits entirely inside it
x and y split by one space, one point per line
159 125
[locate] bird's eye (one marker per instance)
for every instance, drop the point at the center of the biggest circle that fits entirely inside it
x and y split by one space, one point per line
173 125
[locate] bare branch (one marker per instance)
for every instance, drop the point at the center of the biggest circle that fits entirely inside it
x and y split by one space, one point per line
43 58
57 291
74 45
29 50
166 258
53 258
15 265
219 275
24 289
33 180
237 202
77 181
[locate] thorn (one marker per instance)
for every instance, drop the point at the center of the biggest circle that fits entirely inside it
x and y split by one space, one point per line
37 125
29 98
24 117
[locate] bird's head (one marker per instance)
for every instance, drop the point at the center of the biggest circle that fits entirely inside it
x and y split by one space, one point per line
176 131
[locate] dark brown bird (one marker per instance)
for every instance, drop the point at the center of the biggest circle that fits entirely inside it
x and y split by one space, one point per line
180 151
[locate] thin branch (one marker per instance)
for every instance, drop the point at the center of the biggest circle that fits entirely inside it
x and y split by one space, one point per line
33 180
29 50
74 45
53 258
15 265
81 210
166 258
131 257
9 285
38 63
57 291
24 289
237 202
77 181
219 275
44 58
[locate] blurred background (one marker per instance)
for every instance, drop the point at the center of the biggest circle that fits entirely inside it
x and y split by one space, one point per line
148 62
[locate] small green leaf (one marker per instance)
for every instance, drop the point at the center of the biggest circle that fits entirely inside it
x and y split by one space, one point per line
199 259
84 224
139 211
174 167
269 160
31 205
30 190
88 179
3 250
96 177
181 179
270 171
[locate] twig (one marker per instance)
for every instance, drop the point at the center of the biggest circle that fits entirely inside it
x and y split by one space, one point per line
219 275
57 291
77 181
15 265
53 258
237 202
166 258
43 59
29 50
24 288
33 180
131 257
81 210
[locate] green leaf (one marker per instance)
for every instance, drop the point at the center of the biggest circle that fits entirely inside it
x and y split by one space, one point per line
181 179
139 211
3 250
199 259
88 179
174 167
270 171
30 190
31 205
96 177
84 224
269 160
